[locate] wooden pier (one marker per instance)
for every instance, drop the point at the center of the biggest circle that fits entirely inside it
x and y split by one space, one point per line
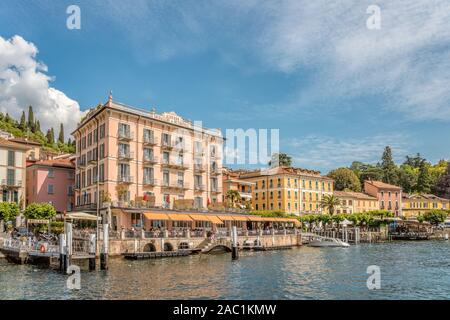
154 255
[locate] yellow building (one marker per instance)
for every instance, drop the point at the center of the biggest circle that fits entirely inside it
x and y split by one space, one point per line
292 190
355 202
415 204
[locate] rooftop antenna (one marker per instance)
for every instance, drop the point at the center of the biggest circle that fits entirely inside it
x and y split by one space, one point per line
110 95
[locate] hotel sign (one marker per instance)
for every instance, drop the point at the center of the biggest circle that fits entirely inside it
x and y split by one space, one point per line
38 221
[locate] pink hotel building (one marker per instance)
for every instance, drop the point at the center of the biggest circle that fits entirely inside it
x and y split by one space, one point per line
136 158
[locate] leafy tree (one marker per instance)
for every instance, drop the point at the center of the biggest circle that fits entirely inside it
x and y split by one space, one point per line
390 173
40 211
408 178
435 216
442 187
281 160
233 196
23 122
8 211
329 202
38 126
31 123
61 133
345 179
424 179
414 161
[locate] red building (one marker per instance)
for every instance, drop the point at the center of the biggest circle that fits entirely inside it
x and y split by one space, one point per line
388 195
52 181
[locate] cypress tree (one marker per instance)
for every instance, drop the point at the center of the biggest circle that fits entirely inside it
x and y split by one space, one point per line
424 179
50 136
37 126
31 123
23 122
389 167
61 133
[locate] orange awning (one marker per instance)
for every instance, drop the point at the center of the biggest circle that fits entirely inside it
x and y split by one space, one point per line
199 217
156 216
179 217
240 218
255 218
215 220
225 218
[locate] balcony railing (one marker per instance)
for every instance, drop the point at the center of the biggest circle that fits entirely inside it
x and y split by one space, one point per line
199 187
199 168
215 171
215 189
150 140
11 183
174 164
92 160
81 164
167 144
150 159
124 179
125 135
149 181
175 185
125 155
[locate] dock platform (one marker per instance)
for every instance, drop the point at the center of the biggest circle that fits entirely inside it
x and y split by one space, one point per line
154 255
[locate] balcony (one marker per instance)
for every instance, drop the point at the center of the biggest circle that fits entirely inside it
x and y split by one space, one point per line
215 189
124 179
199 187
125 155
199 153
167 144
150 141
149 182
150 159
199 168
11 183
175 185
93 160
215 171
125 135
81 164
247 195
177 164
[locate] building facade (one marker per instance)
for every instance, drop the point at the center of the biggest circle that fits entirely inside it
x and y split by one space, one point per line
131 157
416 204
291 190
389 196
13 171
231 181
52 181
356 202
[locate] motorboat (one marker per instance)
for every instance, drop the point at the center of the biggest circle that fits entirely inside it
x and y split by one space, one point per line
328 242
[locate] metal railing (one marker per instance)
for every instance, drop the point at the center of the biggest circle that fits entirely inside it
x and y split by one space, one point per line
149 181
151 140
125 155
125 179
179 184
125 134
11 183
150 159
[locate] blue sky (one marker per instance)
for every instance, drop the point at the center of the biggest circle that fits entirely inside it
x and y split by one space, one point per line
336 90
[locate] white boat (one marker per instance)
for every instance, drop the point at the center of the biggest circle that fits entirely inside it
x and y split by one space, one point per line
328 242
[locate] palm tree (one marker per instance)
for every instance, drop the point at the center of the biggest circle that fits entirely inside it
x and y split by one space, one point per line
329 202
233 196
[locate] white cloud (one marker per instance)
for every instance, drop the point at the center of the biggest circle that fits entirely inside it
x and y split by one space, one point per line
329 152
24 81
406 62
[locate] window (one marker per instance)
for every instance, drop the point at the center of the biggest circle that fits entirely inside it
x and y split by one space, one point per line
279 194
165 157
83 143
95 135
148 135
51 173
166 139
102 131
124 170
180 178
10 177
198 147
148 154
89 177
166 177
124 130
124 150
102 151
289 194
270 183
148 174
11 158
101 174
89 139
50 189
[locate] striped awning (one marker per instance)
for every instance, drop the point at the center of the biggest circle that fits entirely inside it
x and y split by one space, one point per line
199 217
215 220
225 217
179 217
156 216
240 218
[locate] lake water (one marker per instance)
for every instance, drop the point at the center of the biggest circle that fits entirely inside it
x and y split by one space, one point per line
409 270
